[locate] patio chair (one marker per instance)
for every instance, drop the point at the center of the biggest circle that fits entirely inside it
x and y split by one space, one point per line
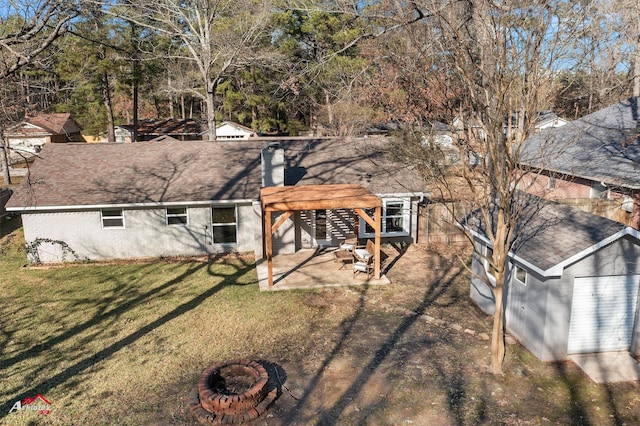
349 243
363 259
344 254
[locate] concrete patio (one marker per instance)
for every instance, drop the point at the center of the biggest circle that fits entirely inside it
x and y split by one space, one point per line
311 268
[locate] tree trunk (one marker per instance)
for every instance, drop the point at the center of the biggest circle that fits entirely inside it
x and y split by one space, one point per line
497 333
636 55
211 112
327 103
106 98
5 157
635 220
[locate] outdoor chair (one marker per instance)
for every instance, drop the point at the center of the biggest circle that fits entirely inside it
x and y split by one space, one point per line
344 254
349 243
363 259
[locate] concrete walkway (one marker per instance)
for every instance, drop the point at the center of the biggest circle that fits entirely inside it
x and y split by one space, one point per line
608 367
309 268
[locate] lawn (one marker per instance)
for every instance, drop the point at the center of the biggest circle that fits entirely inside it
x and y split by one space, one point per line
124 343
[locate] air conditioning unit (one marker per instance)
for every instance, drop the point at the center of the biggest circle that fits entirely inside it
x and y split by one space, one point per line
627 204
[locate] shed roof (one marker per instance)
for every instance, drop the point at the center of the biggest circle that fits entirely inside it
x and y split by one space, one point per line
77 175
551 236
603 146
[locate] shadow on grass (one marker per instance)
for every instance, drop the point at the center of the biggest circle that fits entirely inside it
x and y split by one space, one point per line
89 361
7 226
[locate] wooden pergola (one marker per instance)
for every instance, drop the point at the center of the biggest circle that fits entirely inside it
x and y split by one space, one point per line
288 199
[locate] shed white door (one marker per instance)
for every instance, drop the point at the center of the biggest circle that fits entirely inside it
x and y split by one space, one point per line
603 313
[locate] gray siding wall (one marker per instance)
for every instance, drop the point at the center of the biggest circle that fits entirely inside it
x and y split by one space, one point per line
619 258
528 320
539 313
145 234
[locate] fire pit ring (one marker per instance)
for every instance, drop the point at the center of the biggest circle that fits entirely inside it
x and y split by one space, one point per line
232 392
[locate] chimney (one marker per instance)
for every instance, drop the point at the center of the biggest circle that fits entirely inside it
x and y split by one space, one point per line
272 165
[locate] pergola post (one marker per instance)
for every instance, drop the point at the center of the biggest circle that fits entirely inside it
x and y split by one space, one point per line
377 218
318 197
269 238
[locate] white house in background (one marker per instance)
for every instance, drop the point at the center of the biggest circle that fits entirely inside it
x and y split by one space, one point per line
548 119
170 198
228 130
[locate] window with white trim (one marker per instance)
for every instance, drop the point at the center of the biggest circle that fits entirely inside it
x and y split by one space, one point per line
520 275
396 219
224 224
488 266
177 216
112 218
599 190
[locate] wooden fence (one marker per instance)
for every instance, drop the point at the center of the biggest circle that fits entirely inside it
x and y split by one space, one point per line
436 224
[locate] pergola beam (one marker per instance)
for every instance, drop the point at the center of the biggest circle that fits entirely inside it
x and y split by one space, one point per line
288 199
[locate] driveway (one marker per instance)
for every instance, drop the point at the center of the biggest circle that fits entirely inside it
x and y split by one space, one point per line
608 367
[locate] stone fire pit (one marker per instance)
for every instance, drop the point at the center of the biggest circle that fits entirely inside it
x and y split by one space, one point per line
232 392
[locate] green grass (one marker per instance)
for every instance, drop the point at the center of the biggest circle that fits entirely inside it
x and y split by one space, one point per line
124 344
94 339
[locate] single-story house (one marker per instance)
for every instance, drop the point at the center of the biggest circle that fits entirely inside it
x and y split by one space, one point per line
229 130
151 129
542 120
106 201
33 132
596 157
572 282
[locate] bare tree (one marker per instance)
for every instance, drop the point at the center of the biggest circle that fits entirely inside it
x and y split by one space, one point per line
502 56
27 29
215 34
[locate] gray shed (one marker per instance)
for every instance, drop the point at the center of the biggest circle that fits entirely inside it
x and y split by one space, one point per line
572 283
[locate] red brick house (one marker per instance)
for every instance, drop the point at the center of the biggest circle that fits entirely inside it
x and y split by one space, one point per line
592 163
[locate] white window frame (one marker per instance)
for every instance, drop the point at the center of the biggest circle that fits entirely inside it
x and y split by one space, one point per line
517 269
488 254
406 219
169 216
598 190
221 224
112 217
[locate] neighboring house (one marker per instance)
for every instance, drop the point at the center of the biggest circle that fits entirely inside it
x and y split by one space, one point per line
547 119
33 132
596 157
228 130
572 282
105 201
543 120
440 133
188 129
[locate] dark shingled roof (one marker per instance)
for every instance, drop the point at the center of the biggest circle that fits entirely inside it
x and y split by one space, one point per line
550 234
603 146
196 171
